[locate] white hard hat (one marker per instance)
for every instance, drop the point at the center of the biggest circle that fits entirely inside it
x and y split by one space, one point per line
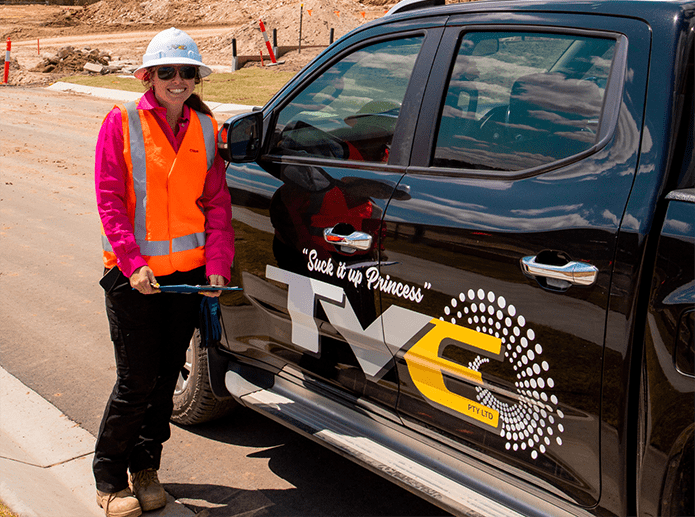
172 47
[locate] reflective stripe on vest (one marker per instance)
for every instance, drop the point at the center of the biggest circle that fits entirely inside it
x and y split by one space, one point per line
138 159
187 242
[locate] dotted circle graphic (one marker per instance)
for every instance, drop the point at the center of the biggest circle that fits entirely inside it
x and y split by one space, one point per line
535 420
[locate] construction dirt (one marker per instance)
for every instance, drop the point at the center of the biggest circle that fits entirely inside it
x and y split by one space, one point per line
121 30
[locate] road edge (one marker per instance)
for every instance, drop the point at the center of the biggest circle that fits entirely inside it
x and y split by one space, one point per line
46 458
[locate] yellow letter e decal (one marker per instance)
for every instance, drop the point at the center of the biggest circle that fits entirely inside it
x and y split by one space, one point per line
427 368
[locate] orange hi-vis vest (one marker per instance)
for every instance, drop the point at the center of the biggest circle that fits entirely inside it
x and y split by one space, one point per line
163 190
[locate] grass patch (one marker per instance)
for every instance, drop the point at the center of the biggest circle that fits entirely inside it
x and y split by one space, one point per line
250 86
5 511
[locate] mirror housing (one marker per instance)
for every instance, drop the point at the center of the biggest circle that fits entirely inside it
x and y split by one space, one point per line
240 138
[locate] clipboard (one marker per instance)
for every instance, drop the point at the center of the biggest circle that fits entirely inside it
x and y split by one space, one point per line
187 288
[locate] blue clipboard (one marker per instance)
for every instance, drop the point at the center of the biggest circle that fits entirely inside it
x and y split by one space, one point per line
186 288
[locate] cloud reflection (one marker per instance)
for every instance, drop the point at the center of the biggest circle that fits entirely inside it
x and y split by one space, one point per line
476 217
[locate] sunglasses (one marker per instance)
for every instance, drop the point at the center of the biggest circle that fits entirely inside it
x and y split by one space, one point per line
166 73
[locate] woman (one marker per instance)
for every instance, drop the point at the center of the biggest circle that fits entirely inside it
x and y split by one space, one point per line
166 217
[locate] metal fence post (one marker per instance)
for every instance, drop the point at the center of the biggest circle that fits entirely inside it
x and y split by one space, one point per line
235 62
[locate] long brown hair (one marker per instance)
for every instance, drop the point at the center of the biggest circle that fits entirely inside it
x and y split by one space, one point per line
196 103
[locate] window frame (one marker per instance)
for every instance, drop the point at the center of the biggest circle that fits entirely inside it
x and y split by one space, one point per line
426 137
410 107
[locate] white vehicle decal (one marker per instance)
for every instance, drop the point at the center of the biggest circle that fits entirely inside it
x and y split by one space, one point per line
493 329
535 420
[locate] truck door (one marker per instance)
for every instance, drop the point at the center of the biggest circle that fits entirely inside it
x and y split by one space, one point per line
517 188
308 216
668 386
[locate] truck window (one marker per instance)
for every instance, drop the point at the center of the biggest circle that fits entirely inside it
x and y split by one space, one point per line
535 99
350 111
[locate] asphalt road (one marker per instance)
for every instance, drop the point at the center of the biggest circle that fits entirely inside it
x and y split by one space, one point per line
54 334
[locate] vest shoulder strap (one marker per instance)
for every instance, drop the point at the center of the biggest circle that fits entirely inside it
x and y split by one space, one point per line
137 142
209 136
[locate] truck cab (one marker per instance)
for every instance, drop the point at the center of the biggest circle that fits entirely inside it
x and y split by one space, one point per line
465 241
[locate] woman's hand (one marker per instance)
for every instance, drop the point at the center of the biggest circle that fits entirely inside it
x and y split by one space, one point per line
217 280
144 281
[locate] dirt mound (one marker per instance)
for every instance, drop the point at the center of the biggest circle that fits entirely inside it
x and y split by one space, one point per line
318 18
316 26
161 12
208 12
14 64
67 17
69 60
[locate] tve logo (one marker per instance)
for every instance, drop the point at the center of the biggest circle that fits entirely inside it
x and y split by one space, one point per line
399 326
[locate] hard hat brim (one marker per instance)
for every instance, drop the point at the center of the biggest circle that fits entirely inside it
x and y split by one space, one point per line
203 70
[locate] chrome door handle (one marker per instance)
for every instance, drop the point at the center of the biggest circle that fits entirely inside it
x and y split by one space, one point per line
356 240
577 273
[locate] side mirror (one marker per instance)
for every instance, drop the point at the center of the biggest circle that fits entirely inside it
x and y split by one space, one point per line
486 47
240 138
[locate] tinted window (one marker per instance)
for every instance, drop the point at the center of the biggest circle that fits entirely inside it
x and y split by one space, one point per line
350 111
521 100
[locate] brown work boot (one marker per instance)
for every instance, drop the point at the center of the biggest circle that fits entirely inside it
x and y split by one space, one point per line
119 504
148 490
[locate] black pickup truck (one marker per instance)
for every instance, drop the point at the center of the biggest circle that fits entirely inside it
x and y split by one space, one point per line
465 236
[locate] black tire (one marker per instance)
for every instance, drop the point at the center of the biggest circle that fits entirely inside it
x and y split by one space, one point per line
194 402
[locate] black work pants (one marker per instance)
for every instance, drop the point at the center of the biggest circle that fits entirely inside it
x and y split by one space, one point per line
150 334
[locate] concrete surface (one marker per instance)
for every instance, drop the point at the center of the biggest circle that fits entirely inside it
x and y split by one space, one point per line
46 459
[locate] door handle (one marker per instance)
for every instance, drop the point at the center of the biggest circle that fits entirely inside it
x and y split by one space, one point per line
354 241
577 273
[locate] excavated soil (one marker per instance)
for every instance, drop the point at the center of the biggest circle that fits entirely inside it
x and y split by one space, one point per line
122 29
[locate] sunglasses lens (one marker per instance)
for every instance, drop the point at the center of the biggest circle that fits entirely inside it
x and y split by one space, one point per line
187 72
166 72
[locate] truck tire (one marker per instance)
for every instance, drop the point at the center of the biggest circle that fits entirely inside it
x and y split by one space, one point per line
194 402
